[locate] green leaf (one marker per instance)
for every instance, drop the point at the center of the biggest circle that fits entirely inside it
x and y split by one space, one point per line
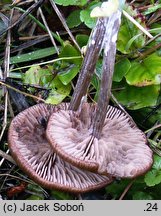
73 20
152 9
153 177
130 37
147 72
68 69
44 77
139 195
131 41
35 197
38 54
71 2
157 163
121 69
37 192
82 39
35 188
125 35
66 76
85 15
69 51
136 97
37 75
58 92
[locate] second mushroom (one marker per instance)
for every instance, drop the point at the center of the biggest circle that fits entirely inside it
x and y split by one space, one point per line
100 138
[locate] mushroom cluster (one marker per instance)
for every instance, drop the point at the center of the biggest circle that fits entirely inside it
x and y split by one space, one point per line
56 148
33 153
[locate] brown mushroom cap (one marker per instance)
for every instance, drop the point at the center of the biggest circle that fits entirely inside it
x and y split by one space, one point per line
122 150
32 152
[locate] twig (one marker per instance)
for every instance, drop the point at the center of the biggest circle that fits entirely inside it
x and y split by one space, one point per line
64 23
6 64
149 51
7 157
5 116
24 93
38 39
126 189
10 108
48 29
152 39
18 178
153 128
137 24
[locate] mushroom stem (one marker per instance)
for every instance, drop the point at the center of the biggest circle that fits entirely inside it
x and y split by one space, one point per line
89 63
108 69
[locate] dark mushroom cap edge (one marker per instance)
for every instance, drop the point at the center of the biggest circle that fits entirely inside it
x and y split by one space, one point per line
28 129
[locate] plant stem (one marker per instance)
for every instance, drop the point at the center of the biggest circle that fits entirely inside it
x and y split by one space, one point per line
89 63
108 69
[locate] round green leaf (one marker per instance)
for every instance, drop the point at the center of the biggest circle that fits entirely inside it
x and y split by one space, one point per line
146 72
82 39
73 20
85 15
136 97
153 177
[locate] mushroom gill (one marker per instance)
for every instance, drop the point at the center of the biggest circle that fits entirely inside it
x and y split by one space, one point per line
121 150
32 152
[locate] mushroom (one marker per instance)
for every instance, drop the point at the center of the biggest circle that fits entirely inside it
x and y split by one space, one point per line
32 152
100 138
120 151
